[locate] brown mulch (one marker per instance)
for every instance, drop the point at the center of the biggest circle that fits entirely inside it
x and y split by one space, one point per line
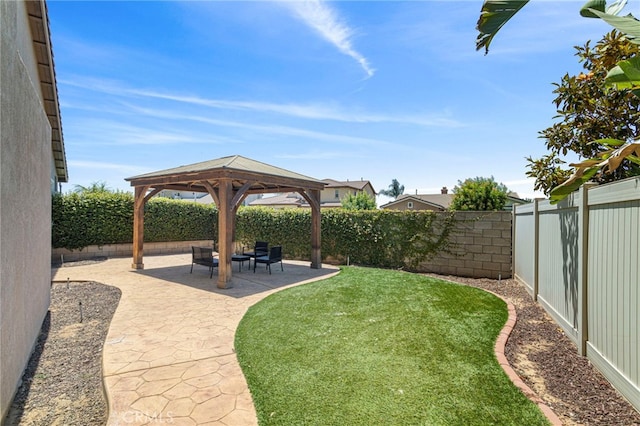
63 382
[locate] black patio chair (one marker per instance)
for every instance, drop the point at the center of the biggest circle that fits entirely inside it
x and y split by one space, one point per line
261 248
203 256
275 256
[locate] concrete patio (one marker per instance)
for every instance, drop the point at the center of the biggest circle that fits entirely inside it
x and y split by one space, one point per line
169 354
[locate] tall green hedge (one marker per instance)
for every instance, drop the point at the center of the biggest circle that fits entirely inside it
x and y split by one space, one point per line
379 237
80 220
368 237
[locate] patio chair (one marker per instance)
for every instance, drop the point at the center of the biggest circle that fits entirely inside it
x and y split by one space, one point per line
261 248
275 256
203 256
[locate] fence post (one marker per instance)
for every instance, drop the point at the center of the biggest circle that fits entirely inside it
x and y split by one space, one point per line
536 244
583 259
513 240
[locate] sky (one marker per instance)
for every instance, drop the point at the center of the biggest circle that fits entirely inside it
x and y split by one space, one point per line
346 90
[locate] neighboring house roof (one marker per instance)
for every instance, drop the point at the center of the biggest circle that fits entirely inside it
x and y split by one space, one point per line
41 36
515 198
355 184
439 201
289 199
443 201
512 198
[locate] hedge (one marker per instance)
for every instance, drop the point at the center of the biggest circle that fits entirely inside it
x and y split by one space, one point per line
369 237
81 220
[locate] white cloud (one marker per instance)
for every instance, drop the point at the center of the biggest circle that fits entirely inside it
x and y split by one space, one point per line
111 132
311 111
268 129
325 20
314 111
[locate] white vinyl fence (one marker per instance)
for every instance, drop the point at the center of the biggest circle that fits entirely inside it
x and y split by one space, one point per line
579 259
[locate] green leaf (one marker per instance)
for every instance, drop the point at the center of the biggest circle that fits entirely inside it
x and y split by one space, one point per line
628 24
625 75
493 15
616 7
633 159
593 5
608 142
576 180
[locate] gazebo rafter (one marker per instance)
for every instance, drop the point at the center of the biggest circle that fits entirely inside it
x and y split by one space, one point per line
229 180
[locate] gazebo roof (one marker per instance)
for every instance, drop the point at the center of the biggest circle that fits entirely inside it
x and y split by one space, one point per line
262 177
228 180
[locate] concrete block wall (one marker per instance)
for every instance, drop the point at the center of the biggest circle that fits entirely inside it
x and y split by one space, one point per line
481 247
60 255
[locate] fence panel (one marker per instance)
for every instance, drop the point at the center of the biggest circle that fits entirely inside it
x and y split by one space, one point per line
582 258
614 300
523 245
558 263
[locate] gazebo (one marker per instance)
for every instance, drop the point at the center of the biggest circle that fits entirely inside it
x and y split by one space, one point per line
228 180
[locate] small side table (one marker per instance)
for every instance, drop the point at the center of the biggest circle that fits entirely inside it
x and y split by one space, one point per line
240 258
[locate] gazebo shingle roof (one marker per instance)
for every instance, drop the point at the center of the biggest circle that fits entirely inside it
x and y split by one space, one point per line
236 163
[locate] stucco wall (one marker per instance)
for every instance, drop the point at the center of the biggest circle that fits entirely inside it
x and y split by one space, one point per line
327 195
482 247
25 201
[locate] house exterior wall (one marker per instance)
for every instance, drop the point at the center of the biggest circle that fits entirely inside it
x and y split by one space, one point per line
328 195
25 200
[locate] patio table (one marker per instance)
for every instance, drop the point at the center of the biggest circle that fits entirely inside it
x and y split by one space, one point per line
241 258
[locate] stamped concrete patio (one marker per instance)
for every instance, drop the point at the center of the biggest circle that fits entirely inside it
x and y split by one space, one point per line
169 354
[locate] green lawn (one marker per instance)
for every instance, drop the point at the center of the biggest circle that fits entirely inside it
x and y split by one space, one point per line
379 347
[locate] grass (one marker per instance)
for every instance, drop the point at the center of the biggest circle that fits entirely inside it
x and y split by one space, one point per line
372 346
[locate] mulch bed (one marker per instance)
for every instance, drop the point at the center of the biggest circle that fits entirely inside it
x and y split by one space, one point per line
63 382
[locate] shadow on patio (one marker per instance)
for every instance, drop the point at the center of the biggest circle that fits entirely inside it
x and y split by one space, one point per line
245 283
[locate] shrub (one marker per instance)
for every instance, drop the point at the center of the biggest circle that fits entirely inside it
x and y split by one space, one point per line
479 194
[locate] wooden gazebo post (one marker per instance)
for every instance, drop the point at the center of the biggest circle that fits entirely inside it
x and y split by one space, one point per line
225 233
313 198
138 226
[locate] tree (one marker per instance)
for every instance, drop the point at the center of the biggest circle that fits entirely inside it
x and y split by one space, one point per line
589 112
93 188
624 75
395 189
479 194
360 201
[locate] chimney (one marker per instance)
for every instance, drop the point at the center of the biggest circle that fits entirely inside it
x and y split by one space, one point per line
444 190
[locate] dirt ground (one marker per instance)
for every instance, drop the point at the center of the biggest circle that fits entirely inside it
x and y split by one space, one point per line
63 381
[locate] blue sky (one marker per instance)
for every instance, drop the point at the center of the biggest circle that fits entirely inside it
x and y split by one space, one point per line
378 90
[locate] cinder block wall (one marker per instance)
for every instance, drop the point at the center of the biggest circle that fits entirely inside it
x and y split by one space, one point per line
482 247
60 255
